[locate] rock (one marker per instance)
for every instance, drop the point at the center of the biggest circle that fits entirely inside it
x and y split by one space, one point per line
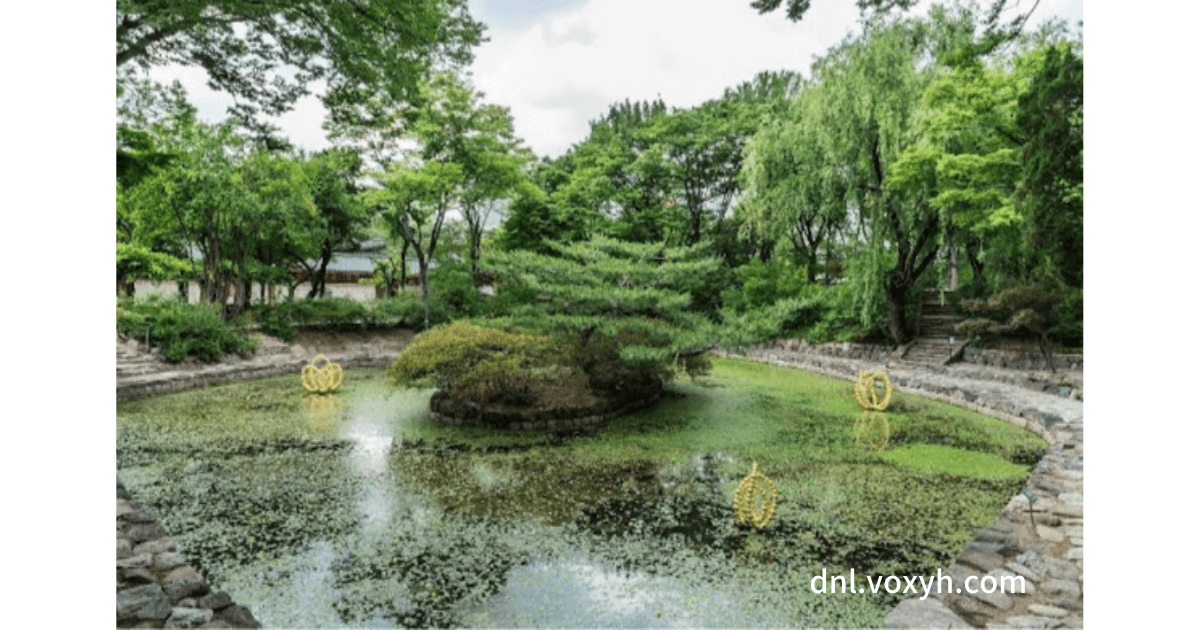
1030 575
1068 510
1048 520
1047 611
188 617
166 561
1076 553
141 560
1061 587
124 548
144 532
1026 621
137 515
1049 534
1010 583
216 623
927 613
980 558
143 602
239 617
995 598
1052 567
215 601
182 582
124 507
166 543
1071 498
135 575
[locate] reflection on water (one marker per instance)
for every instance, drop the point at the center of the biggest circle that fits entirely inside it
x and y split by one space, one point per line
324 412
579 594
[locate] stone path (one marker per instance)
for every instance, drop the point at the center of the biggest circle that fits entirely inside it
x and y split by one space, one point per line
1040 542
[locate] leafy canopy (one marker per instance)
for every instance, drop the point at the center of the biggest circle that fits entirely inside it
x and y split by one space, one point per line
359 47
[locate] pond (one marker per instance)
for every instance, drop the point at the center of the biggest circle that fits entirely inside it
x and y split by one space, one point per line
356 510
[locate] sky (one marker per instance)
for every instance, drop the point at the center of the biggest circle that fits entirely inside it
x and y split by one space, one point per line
558 64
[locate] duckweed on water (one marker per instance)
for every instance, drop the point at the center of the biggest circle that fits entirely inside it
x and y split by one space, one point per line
403 521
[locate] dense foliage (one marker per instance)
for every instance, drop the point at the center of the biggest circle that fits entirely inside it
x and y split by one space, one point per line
181 330
917 153
483 364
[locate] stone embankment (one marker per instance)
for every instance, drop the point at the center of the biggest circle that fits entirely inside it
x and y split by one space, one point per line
155 588
1038 538
1023 369
142 372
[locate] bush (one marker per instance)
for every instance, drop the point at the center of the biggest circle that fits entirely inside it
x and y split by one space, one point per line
395 310
181 330
468 361
452 293
764 284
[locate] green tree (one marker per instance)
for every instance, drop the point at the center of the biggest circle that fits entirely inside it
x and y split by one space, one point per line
1015 309
478 137
626 309
792 187
337 218
868 96
414 203
1050 115
1003 21
198 200
361 48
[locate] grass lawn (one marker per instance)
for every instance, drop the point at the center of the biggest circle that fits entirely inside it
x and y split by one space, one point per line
245 476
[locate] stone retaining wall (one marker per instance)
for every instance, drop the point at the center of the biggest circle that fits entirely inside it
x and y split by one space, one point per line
155 588
1039 541
179 380
1007 359
1027 368
446 410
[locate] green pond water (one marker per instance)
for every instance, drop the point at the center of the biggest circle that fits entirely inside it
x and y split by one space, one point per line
355 510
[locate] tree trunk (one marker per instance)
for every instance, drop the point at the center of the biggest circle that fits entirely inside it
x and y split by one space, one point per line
425 287
317 279
897 319
1044 346
971 247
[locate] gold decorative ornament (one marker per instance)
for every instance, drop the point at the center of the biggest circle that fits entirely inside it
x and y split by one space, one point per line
321 380
866 394
872 431
754 500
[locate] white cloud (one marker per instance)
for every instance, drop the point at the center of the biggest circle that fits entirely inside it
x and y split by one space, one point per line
569 66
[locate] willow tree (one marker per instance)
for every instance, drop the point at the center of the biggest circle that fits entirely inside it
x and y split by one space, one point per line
791 186
846 132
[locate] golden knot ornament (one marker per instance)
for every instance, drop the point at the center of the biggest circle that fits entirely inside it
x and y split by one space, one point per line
754 500
868 396
321 380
